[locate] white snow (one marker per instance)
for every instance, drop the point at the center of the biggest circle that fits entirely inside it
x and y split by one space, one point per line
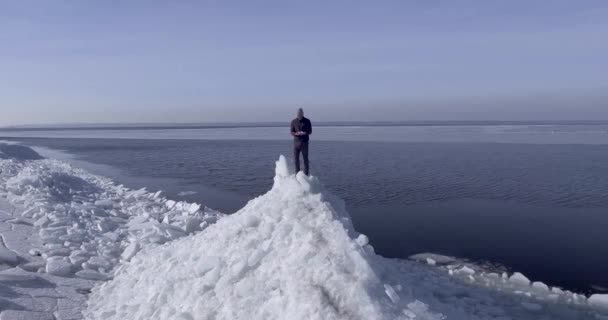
599 300
290 254
106 204
26 290
519 279
58 267
90 219
69 227
540 287
465 271
7 256
91 275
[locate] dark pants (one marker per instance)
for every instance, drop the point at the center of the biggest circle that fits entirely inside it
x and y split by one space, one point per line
301 147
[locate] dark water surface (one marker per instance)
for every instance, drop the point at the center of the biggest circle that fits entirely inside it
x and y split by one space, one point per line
540 209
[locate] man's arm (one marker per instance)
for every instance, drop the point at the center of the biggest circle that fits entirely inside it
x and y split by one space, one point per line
293 130
309 132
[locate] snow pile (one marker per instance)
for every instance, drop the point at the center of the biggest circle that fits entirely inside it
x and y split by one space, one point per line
293 254
289 254
86 223
515 283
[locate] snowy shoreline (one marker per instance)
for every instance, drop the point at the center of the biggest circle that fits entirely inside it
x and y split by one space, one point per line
64 226
78 225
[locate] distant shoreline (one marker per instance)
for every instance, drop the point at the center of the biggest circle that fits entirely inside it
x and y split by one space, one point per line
226 125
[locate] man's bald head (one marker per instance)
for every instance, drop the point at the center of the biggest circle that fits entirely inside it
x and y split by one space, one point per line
300 113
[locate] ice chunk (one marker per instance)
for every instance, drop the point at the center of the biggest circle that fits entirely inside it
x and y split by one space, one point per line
130 251
77 260
519 279
30 212
60 267
7 256
62 252
391 293
91 275
112 236
194 207
465 271
599 301
540 287
107 204
99 262
439 259
16 277
282 169
174 233
362 240
192 224
19 221
170 204
25 315
33 266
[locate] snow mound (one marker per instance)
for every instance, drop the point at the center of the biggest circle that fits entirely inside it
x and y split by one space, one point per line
88 224
289 254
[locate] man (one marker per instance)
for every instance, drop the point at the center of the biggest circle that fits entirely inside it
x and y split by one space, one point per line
301 129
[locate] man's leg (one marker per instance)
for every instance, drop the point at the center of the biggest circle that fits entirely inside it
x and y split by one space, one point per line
297 148
305 156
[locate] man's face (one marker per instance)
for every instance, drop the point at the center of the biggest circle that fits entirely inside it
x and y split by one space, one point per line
300 114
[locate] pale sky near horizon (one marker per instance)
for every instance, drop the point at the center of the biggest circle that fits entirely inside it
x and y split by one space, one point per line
225 61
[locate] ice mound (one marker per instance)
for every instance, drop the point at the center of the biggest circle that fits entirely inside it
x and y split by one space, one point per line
289 254
87 224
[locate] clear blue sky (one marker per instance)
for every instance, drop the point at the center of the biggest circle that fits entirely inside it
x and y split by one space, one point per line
210 61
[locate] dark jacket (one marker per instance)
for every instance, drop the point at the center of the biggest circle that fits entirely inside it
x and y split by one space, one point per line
301 125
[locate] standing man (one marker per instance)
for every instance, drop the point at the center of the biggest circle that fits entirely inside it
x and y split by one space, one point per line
301 129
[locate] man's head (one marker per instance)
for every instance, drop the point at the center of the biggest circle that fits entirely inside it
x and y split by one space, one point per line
300 113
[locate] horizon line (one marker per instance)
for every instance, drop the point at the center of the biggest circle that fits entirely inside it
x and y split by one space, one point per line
259 124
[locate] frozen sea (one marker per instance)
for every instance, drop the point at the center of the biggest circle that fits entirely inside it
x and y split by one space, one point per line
529 198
